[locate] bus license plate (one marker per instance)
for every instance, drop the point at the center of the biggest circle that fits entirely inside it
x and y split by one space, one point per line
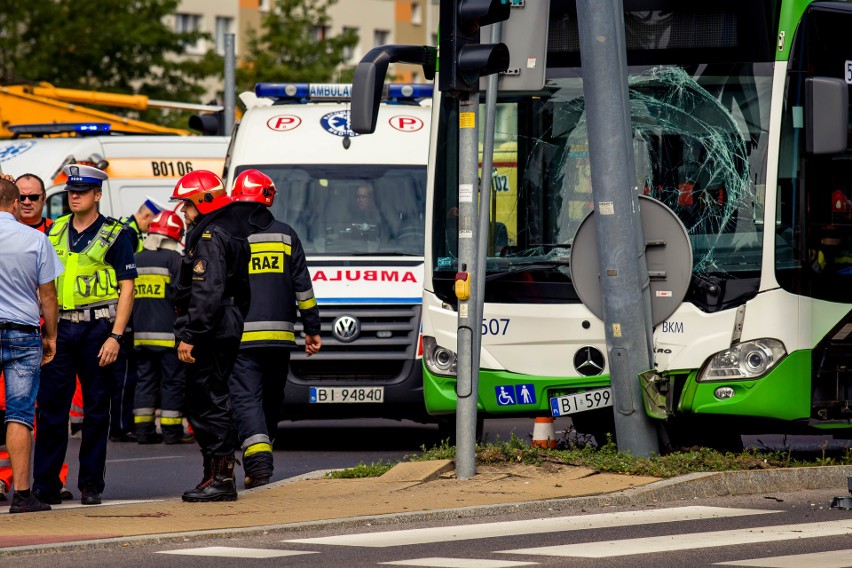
580 401
332 395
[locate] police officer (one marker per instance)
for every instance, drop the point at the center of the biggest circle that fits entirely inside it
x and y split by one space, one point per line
212 300
161 374
277 270
126 372
95 297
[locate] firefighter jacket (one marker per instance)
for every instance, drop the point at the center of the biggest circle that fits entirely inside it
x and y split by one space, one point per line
153 307
212 295
280 283
88 281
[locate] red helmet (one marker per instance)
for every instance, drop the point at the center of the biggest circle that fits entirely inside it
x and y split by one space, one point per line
167 223
203 188
254 186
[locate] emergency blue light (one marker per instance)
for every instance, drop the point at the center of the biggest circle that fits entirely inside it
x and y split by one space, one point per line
81 128
282 90
336 91
410 90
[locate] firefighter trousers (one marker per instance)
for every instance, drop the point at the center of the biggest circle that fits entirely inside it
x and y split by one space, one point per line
208 406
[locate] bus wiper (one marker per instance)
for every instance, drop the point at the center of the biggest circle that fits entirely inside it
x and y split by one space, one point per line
381 253
527 266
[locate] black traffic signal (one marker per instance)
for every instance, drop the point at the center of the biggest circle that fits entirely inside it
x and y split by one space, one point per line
463 60
209 124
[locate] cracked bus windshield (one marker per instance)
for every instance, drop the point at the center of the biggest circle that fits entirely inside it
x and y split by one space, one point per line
699 146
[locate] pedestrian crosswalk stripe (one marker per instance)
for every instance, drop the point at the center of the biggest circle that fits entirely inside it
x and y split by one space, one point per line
235 552
532 526
458 563
689 541
828 559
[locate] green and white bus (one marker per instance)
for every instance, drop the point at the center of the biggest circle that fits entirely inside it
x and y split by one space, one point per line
740 118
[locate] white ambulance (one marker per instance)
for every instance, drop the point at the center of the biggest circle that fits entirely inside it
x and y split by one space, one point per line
139 166
358 205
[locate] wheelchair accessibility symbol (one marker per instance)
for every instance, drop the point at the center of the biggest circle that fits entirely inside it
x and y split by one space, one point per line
509 395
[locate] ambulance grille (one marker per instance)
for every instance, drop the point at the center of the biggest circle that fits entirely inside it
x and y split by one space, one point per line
387 343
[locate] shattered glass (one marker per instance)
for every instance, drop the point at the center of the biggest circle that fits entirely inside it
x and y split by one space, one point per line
699 142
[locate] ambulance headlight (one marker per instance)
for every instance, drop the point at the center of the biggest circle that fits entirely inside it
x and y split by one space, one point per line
747 360
439 360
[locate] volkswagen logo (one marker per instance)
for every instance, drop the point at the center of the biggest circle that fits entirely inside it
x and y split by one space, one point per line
346 329
589 361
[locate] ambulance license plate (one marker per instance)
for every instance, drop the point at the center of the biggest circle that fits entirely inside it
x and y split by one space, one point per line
580 401
333 395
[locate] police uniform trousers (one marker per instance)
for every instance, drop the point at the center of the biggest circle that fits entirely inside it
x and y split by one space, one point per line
208 405
77 347
161 379
124 389
257 390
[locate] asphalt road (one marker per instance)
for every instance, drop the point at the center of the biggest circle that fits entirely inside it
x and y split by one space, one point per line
744 531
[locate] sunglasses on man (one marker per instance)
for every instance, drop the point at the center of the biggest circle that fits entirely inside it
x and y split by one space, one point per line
34 197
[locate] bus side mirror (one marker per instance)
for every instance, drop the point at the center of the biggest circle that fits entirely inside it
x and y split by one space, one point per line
369 79
827 115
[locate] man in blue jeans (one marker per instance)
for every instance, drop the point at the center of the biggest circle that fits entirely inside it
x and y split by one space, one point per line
27 273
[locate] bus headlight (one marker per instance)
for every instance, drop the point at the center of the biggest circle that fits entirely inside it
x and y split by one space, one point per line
439 360
747 360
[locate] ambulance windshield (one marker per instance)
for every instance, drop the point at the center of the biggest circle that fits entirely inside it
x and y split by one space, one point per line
351 209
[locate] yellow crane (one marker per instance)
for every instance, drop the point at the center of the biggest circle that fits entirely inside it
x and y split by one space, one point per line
44 103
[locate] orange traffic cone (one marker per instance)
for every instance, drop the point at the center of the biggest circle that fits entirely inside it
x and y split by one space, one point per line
544 435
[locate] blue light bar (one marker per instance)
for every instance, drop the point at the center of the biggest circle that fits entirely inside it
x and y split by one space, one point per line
336 91
81 128
410 90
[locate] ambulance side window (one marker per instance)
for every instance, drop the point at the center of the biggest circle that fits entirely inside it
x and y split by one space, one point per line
57 206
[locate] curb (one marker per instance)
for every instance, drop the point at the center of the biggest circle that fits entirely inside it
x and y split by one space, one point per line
691 486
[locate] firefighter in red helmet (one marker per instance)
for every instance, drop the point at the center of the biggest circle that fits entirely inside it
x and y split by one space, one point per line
278 269
161 375
211 299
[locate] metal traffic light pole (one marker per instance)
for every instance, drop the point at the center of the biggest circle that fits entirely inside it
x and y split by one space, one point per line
619 233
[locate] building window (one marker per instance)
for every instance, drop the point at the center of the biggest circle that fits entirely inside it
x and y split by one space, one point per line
189 23
263 5
381 37
350 53
322 33
224 26
416 14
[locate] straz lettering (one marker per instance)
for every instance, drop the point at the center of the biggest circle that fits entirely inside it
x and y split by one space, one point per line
147 290
365 275
266 262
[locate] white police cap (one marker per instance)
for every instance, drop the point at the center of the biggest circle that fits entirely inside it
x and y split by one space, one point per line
80 175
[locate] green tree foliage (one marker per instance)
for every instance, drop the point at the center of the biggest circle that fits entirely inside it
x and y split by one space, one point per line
120 46
288 48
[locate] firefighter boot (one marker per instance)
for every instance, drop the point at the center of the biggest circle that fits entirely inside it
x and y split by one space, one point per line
174 435
219 486
258 468
146 433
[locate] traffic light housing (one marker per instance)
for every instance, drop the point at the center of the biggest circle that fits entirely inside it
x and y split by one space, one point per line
463 59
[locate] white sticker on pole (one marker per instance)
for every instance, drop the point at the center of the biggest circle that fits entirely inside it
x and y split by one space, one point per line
463 310
606 208
465 234
466 193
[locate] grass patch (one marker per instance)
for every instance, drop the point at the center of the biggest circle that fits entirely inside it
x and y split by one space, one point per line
579 452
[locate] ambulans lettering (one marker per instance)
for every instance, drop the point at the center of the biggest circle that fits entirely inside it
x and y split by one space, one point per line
266 262
365 275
